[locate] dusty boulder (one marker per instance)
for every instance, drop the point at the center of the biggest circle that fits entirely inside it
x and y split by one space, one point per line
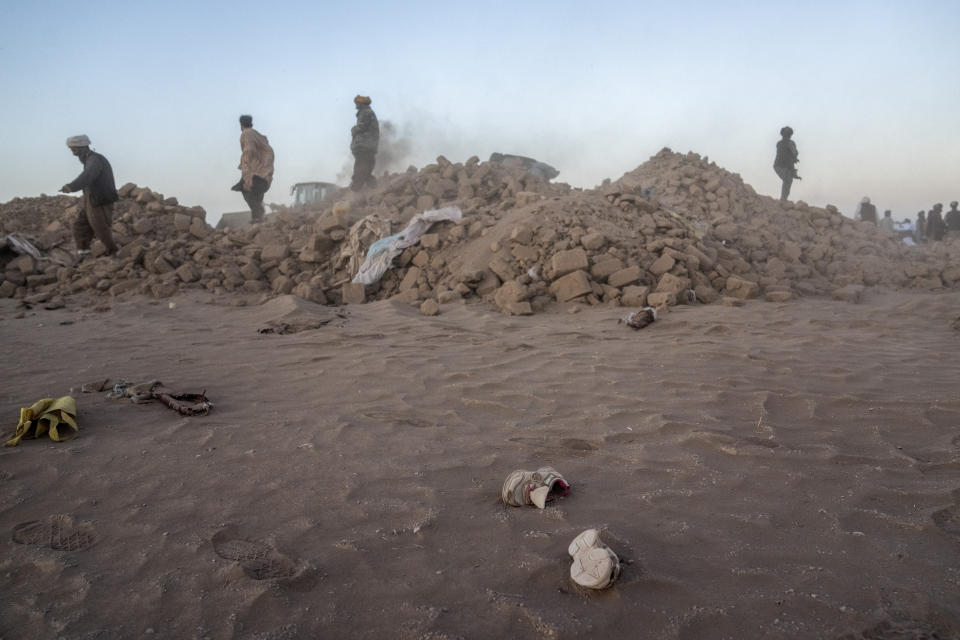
851 293
565 262
738 287
571 286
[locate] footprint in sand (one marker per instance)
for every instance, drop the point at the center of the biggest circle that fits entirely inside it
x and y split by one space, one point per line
258 560
386 416
58 532
948 521
579 445
621 438
902 629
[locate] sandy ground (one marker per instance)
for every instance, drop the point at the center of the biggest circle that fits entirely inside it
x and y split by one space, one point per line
772 471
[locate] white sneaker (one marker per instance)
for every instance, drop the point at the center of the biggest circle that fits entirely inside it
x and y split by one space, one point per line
595 565
533 487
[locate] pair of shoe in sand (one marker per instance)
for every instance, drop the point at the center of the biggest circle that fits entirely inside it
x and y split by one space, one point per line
595 565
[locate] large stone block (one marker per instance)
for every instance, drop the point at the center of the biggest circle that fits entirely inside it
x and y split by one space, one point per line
251 271
706 294
410 279
662 298
353 293
188 273
604 267
430 241
421 260
624 277
593 241
143 195
254 286
25 264
283 285
274 253
673 284
511 291
571 286
310 256
429 307
163 289
662 265
119 288
199 229
523 253
126 189
738 287
634 296
569 261
410 296
306 291
143 225
489 284
181 222
502 268
522 234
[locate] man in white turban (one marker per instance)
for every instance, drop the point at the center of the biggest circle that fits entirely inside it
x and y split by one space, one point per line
99 194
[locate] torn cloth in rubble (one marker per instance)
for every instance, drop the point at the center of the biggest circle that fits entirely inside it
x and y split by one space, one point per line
381 253
362 232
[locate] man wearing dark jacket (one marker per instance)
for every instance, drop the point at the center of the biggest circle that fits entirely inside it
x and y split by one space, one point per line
952 219
935 226
365 138
99 194
784 163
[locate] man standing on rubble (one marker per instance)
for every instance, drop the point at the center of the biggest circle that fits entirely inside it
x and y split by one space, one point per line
364 142
256 167
952 219
935 226
784 163
886 222
99 194
866 211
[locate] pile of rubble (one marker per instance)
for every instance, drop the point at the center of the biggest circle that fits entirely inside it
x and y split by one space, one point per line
677 230
788 244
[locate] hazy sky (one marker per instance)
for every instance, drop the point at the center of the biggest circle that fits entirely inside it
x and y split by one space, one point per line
872 90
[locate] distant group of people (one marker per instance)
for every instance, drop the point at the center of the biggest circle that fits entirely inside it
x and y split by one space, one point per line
929 226
932 225
256 175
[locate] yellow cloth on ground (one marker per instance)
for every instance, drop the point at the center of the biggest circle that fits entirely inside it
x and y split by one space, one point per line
48 416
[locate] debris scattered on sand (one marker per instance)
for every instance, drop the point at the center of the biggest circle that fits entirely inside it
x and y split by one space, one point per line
595 565
533 487
188 404
639 319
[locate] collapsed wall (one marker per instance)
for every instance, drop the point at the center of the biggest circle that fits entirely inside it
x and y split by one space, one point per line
676 230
